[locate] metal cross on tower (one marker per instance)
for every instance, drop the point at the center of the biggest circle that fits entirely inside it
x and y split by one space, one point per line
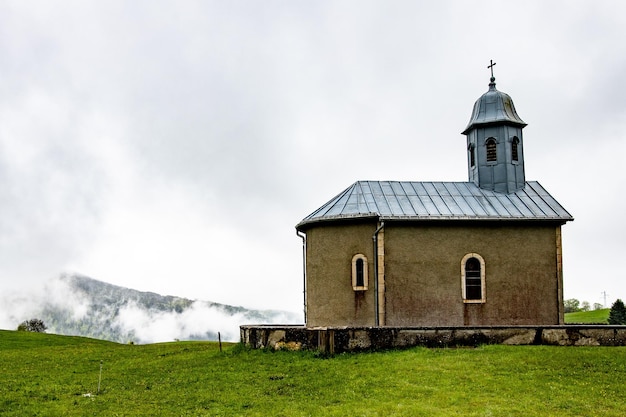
491 66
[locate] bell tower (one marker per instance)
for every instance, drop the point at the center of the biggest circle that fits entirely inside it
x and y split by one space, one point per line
495 144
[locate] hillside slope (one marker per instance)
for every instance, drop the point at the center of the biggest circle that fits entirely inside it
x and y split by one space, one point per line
49 375
81 306
588 317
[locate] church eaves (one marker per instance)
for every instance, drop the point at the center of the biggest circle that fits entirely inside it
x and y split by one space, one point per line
436 201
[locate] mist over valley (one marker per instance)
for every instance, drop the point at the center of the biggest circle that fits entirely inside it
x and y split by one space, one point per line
76 305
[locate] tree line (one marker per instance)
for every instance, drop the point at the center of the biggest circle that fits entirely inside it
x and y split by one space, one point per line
572 305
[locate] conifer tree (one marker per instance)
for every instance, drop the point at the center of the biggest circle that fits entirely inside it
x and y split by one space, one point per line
617 315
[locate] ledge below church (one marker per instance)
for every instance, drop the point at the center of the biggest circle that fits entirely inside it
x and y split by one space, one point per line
353 339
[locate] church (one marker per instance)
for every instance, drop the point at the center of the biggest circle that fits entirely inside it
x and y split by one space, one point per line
486 252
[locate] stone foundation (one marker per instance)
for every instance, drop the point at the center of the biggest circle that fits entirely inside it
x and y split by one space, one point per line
353 339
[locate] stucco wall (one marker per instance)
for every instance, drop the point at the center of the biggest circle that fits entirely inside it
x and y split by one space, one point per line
423 275
331 301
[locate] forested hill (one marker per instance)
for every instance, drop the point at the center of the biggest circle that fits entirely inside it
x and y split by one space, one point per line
83 306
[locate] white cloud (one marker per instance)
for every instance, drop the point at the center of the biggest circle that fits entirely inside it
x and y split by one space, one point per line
28 302
194 322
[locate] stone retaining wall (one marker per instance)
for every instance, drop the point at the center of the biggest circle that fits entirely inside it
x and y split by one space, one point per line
350 339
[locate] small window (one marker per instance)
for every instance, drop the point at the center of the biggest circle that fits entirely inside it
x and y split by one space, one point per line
514 153
492 155
473 278
359 272
472 155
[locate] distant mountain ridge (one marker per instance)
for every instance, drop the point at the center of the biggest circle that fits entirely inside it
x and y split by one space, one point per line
88 307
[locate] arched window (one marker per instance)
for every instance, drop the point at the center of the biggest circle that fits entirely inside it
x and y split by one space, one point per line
514 153
492 155
472 155
473 278
359 272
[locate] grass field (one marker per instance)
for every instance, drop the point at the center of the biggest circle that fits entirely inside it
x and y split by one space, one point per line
589 317
48 375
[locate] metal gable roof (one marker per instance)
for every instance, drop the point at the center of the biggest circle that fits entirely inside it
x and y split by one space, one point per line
410 200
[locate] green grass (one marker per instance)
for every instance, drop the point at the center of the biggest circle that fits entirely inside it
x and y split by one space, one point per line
589 317
48 375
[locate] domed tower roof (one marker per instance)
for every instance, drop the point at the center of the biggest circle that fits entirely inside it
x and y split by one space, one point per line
493 107
495 146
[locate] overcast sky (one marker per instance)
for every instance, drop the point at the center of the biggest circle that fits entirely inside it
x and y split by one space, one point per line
172 146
